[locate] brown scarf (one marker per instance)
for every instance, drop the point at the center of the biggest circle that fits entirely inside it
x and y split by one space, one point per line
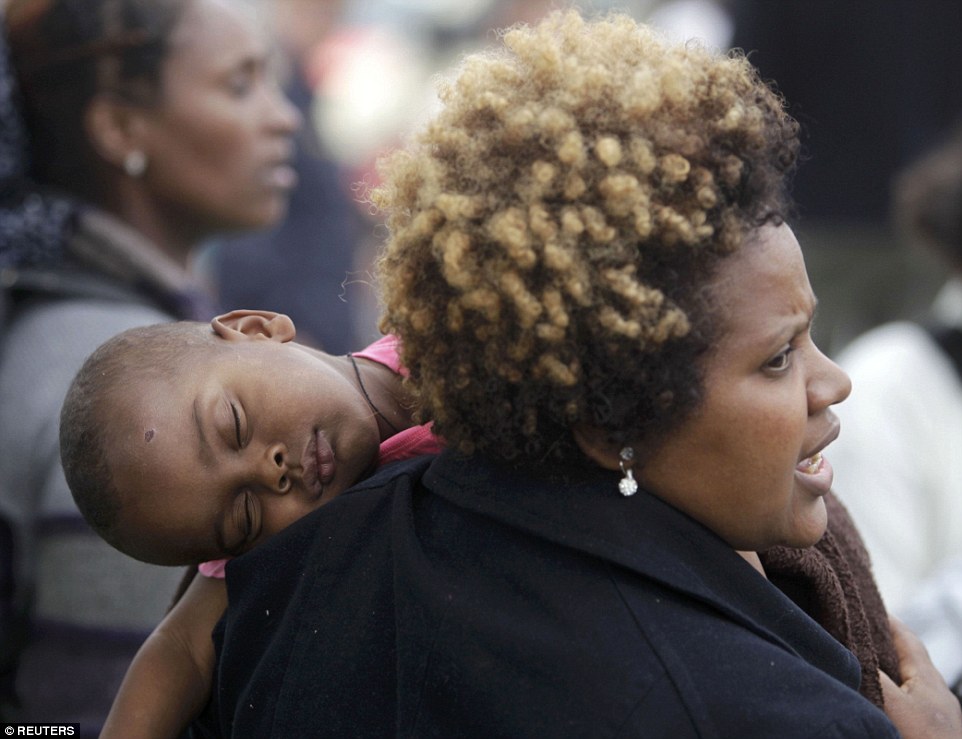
832 582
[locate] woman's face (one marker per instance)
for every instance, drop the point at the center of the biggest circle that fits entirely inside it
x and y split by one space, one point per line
748 463
219 144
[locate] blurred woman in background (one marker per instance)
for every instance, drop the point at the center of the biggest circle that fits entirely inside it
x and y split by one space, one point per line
131 131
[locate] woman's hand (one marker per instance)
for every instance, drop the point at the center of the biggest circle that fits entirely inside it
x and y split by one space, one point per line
922 707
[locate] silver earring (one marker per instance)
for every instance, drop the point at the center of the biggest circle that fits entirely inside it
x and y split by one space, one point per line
627 484
135 163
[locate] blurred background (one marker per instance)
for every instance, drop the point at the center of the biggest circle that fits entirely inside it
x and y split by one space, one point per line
872 84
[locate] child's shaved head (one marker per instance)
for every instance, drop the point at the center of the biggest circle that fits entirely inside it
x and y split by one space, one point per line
117 367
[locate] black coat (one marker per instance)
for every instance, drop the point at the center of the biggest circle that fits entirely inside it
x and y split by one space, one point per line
459 598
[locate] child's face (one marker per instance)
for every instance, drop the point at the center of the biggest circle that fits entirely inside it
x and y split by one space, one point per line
234 447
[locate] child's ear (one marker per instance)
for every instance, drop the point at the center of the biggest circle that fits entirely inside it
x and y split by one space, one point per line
240 325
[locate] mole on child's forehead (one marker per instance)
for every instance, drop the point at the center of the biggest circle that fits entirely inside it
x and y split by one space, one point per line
149 434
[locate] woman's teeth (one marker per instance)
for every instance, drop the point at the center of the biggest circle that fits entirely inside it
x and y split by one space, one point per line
810 466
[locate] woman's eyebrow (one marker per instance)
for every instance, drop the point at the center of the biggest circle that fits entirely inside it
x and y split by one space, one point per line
808 323
806 320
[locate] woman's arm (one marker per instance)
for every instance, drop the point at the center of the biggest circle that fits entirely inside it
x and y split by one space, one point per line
169 681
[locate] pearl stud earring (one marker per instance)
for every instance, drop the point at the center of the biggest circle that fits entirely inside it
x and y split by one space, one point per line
135 163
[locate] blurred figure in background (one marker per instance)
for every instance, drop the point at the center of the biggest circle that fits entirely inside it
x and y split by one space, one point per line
131 131
899 457
304 265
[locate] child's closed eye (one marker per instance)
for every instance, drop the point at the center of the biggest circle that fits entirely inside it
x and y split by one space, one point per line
244 522
241 425
237 427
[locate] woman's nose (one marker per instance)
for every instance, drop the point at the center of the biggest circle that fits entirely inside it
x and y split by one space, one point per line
829 385
284 115
274 468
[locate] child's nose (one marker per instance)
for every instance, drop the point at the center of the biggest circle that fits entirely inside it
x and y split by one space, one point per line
275 468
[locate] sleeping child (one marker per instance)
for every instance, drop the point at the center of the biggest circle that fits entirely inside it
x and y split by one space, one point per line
188 444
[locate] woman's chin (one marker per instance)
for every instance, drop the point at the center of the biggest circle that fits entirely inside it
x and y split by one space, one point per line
809 526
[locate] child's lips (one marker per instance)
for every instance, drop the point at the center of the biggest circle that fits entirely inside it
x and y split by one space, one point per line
324 458
318 466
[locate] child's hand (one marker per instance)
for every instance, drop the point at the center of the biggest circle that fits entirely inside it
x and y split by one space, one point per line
922 707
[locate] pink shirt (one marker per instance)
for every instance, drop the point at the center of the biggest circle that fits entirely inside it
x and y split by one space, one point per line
412 442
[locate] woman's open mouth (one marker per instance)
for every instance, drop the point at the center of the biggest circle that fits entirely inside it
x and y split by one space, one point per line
811 465
815 474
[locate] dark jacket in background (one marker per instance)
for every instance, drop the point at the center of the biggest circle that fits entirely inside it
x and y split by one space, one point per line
73 610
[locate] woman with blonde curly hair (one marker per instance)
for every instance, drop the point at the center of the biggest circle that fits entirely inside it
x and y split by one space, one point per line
608 320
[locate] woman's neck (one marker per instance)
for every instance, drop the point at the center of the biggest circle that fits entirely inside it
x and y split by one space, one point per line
173 236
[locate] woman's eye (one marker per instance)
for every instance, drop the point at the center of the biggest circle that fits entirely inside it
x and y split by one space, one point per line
781 361
241 82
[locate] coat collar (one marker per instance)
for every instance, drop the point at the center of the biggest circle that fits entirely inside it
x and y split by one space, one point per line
582 509
109 246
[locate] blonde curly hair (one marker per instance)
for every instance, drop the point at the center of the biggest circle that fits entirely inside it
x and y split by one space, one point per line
552 230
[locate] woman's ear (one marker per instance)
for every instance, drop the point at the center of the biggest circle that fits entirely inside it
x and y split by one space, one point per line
114 128
594 442
242 325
